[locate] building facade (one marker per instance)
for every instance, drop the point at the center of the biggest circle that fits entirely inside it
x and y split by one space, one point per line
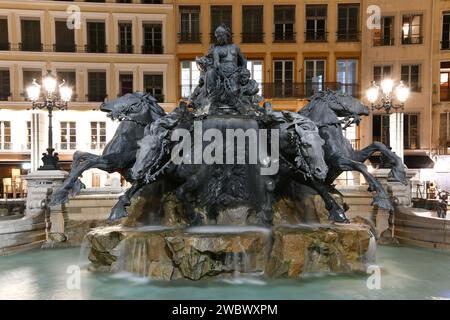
102 50
294 48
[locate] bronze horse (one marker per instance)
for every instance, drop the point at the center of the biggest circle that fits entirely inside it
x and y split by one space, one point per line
134 111
324 109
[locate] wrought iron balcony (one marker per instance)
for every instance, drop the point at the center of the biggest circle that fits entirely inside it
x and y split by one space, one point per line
190 37
95 48
384 41
293 90
316 36
125 48
252 37
61 47
444 94
24 46
96 97
284 36
348 36
445 45
147 49
412 40
5 46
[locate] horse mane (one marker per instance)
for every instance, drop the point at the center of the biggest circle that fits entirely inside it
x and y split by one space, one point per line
318 110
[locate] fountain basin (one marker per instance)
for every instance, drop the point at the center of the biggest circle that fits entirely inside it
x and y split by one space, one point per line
162 253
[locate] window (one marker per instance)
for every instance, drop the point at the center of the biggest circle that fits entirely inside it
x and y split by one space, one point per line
153 84
125 38
152 38
256 70
381 72
284 23
380 128
190 24
316 18
96 86
125 83
384 35
98 135
219 15
283 77
64 37
4 38
69 78
411 76
314 76
190 76
28 146
444 81
29 76
412 29
348 22
252 24
31 35
445 43
347 75
411 131
5 135
444 129
96 38
68 135
5 87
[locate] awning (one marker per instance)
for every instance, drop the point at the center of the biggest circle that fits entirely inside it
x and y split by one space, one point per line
411 161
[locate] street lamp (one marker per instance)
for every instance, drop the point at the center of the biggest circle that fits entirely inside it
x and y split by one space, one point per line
52 96
387 99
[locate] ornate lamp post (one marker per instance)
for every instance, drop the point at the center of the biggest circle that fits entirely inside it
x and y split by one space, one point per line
387 99
53 96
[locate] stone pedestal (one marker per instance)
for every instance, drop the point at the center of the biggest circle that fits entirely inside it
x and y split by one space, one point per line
401 196
162 253
41 184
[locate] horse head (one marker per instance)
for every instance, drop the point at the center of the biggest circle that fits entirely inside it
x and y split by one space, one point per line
306 144
138 107
342 104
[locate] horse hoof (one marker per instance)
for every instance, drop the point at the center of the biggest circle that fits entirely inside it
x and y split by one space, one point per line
117 213
338 216
383 203
59 197
398 175
77 186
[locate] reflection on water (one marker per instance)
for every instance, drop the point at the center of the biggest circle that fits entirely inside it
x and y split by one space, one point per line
406 273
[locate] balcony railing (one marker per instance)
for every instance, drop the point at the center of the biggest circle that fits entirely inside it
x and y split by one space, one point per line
348 36
4 96
189 37
252 37
95 48
125 48
284 36
59 47
146 49
386 41
5 46
66 146
290 90
6 146
316 36
442 150
412 40
23 46
96 97
212 37
444 94
445 45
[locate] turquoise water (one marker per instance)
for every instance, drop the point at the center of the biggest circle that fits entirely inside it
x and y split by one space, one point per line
406 273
